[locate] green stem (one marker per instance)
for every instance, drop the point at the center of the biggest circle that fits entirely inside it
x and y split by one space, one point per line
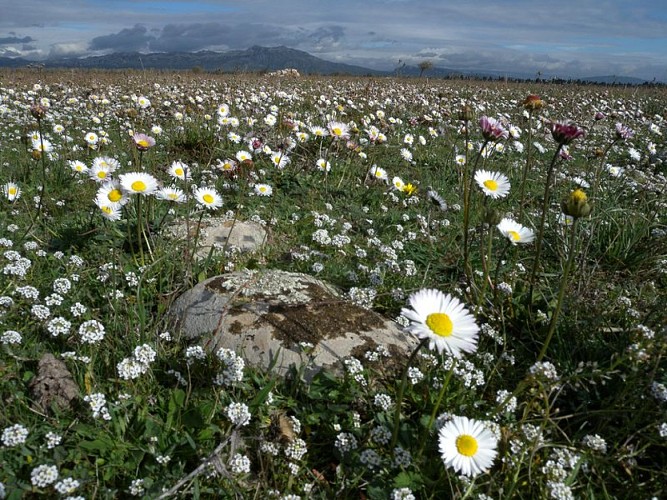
401 391
540 232
434 412
467 189
527 166
561 292
140 231
486 263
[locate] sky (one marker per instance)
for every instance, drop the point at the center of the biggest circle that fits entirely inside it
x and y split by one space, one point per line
563 38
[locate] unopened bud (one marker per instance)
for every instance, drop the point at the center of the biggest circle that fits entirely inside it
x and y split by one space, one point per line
576 205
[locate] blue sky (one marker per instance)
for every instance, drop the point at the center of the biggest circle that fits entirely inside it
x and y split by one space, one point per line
567 38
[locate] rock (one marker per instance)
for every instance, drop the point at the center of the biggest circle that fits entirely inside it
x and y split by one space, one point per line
264 315
217 233
53 384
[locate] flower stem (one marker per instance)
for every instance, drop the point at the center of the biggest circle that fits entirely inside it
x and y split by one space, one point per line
467 188
401 391
434 412
561 292
527 166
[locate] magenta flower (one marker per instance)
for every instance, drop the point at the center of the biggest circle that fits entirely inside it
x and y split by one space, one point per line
599 116
143 141
623 131
492 130
565 133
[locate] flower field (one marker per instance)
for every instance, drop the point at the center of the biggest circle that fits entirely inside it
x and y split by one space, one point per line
517 231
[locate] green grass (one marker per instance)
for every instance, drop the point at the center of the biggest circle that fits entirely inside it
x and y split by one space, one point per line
169 427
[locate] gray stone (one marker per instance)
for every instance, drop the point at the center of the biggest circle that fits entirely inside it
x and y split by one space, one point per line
217 233
265 315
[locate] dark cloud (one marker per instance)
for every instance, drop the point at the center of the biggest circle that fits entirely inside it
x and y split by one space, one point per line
126 40
14 39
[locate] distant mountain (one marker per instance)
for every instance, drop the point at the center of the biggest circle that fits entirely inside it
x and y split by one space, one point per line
257 59
252 59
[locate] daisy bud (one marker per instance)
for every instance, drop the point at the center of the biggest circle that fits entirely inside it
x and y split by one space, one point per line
576 205
466 114
533 102
492 217
38 111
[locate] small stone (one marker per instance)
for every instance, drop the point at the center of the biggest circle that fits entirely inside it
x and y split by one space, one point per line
53 384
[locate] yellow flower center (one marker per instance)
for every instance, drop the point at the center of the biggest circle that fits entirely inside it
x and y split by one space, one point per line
378 173
115 195
179 172
138 186
579 197
208 198
12 191
172 196
440 324
101 174
491 185
466 445
337 131
143 143
514 235
263 189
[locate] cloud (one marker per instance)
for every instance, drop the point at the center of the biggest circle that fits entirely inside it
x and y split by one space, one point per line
72 49
7 40
126 40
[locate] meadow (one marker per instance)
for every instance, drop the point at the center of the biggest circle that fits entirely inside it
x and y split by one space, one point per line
518 230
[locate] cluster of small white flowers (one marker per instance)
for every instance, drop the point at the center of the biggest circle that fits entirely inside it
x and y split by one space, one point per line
67 485
178 376
662 430
544 370
11 337
345 442
62 285
402 494
18 267
363 297
58 326
322 237
354 368
14 435
238 414
233 367
595 443
506 399
561 461
163 459
53 440
402 457
269 448
492 333
659 391
370 459
138 364
505 288
44 475
137 488
28 292
54 299
376 354
194 352
296 449
559 491
402 321
91 331
40 311
382 401
415 375
239 464
78 309
380 435
98 403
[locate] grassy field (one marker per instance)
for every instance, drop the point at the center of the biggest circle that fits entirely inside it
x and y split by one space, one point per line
519 230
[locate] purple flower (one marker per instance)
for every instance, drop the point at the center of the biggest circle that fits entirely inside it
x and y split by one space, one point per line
623 131
565 133
599 116
143 141
492 130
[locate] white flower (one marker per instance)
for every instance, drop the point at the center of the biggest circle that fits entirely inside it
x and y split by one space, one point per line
467 446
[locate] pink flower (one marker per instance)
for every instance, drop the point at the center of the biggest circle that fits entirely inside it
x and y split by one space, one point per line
623 131
143 141
565 133
492 130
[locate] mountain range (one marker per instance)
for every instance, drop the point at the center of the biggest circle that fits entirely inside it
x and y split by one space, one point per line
259 59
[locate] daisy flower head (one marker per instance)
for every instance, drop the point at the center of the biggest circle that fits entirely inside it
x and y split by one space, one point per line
279 159
143 142
208 198
323 165
227 165
11 191
138 183
565 133
494 184
179 170
492 129
171 193
339 130
318 131
143 102
112 193
263 190
91 139
442 320
110 211
378 173
42 145
78 166
398 183
467 446
243 156
460 160
515 232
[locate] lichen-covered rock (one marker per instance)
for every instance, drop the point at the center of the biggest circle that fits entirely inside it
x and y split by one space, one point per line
265 315
218 233
53 385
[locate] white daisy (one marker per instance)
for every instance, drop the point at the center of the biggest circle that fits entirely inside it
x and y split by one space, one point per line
467 446
515 232
171 193
179 170
138 183
494 184
263 190
208 197
443 320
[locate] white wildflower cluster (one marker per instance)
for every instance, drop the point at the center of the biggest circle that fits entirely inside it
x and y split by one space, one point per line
560 463
194 353
28 292
492 333
355 369
62 286
137 364
44 475
17 265
98 404
363 297
53 440
595 443
370 459
67 486
78 309
415 375
14 435
238 414
137 488
233 366
377 354
239 464
402 457
322 237
402 494
659 391
345 442
11 337
58 326
559 491
507 401
382 401
545 371
662 430
91 331
40 311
